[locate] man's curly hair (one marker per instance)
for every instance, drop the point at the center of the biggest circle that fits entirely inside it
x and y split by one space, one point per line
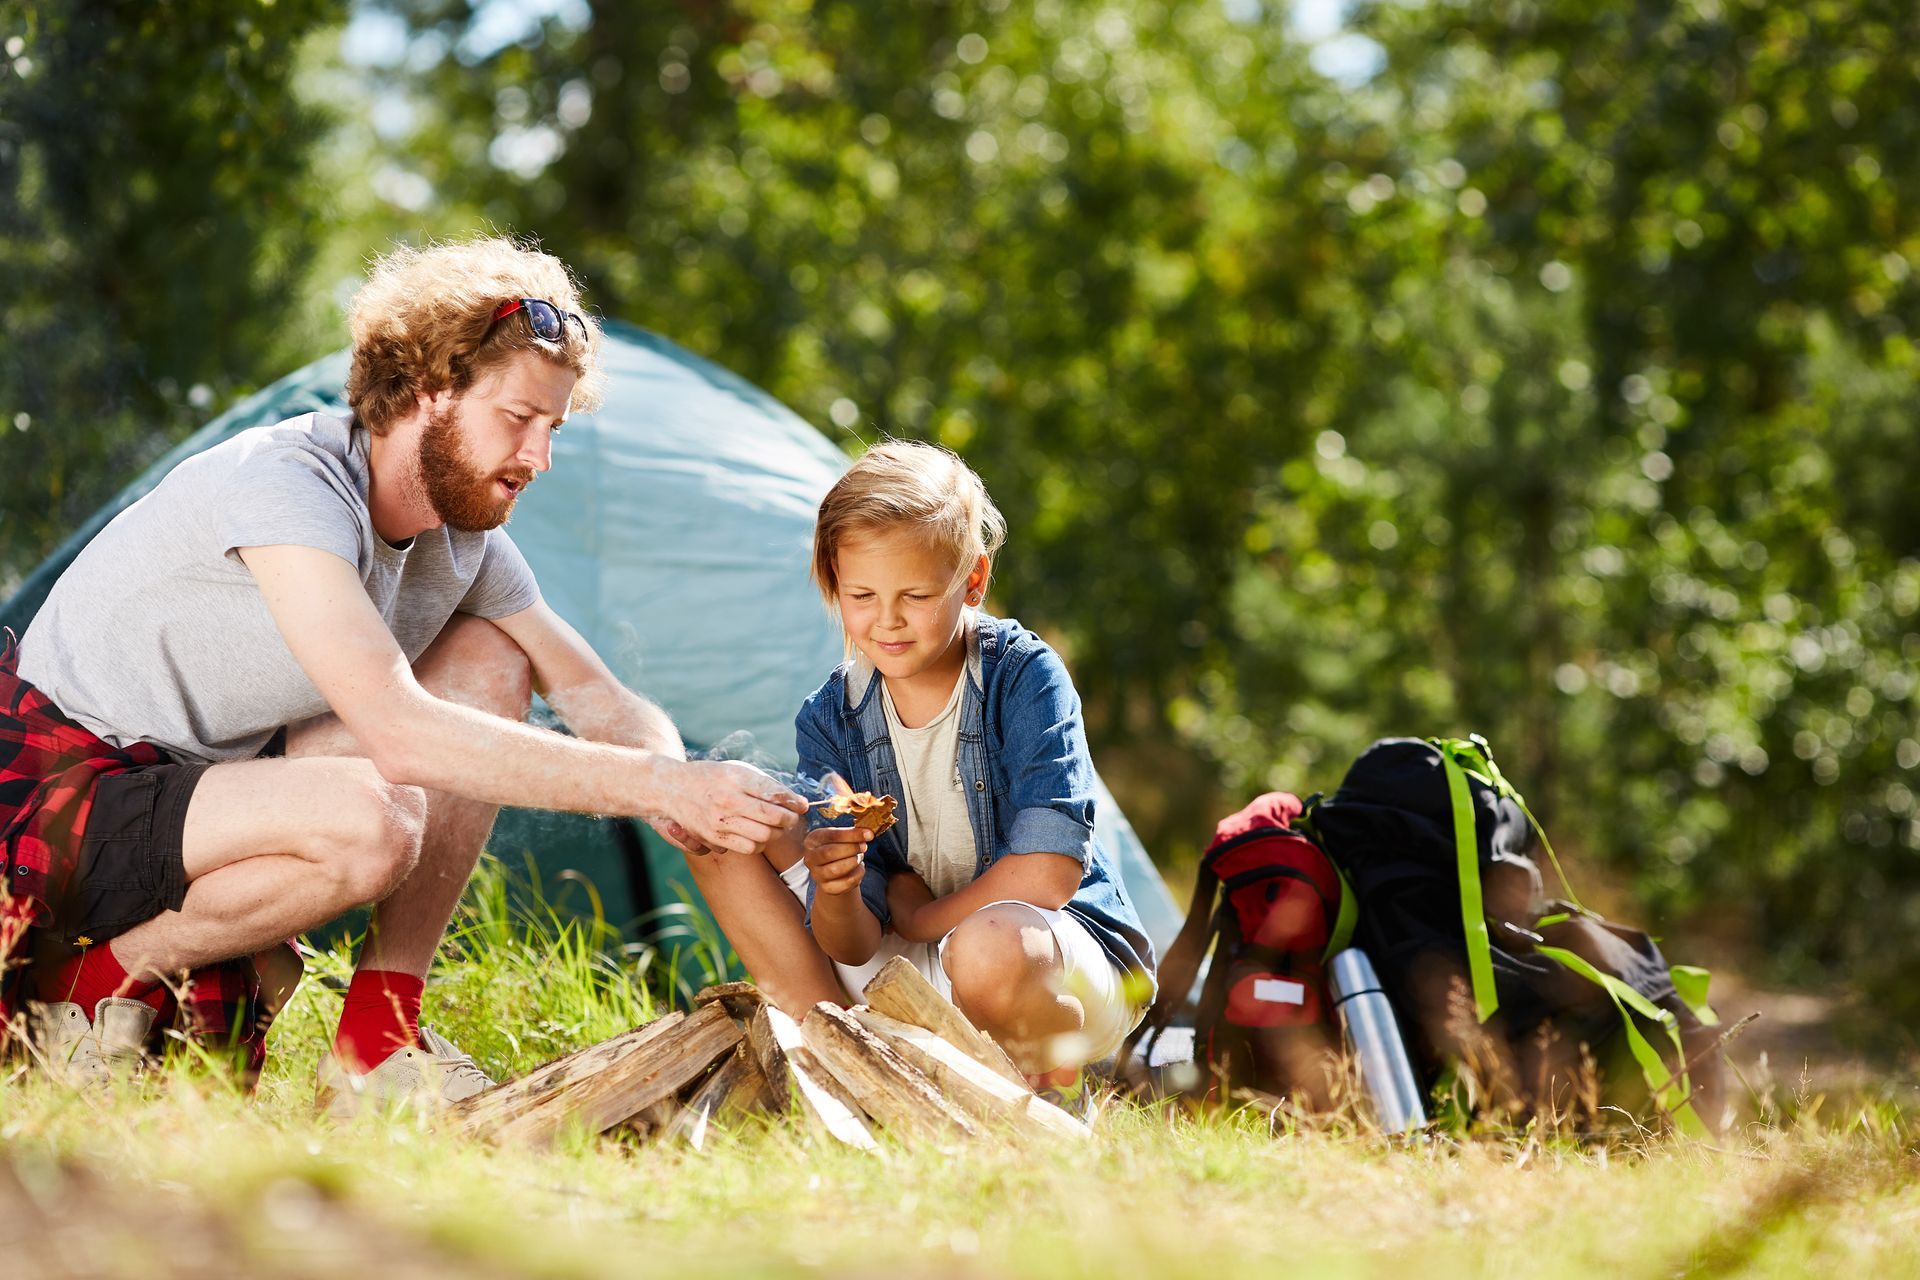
423 322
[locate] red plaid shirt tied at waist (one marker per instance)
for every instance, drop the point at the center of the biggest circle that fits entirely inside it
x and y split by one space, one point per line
48 768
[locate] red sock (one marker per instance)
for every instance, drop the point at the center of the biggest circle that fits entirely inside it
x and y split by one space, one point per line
381 1016
91 975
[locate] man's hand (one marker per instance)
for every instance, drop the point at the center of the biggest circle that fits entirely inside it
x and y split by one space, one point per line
679 837
836 858
727 805
907 894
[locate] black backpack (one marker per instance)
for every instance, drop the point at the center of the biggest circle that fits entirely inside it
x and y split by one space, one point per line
1481 967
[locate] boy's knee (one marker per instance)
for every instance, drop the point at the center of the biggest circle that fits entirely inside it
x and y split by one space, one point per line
1000 959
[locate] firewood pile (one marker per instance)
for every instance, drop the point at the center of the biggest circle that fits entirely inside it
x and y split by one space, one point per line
907 1062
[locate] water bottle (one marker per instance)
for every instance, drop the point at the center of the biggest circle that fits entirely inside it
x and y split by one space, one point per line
1373 1036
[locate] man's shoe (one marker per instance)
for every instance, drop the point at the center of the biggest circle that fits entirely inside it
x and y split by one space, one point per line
90 1055
431 1076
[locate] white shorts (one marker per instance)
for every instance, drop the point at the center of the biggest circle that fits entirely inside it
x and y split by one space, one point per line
1091 975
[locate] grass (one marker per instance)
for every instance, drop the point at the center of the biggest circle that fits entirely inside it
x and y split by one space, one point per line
185 1176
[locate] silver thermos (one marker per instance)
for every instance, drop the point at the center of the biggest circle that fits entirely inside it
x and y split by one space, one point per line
1373 1037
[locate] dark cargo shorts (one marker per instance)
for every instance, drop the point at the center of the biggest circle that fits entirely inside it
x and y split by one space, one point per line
131 866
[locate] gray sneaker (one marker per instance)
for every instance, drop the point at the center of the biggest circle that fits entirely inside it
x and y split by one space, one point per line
90 1055
431 1076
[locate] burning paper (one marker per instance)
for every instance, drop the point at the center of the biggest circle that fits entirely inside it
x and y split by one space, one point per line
875 813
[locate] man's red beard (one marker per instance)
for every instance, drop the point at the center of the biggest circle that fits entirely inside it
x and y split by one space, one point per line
463 495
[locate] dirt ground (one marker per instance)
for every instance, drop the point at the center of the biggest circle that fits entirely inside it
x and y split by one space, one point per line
1797 1043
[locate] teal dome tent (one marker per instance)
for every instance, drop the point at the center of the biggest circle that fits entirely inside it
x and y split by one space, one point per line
674 532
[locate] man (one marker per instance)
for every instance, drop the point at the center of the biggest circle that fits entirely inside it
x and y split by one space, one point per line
298 672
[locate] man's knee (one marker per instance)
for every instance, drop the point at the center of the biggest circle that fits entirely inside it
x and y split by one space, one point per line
476 664
377 841
1000 960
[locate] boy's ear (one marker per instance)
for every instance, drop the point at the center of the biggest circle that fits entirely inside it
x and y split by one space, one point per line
977 580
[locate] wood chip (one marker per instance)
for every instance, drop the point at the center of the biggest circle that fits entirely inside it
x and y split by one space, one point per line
902 992
969 1085
795 1082
886 1087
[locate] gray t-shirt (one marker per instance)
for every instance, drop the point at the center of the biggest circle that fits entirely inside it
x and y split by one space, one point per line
157 632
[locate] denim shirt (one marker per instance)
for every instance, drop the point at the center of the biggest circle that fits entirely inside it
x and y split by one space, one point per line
1023 760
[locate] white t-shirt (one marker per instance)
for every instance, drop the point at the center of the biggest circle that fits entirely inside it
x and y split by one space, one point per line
157 632
939 834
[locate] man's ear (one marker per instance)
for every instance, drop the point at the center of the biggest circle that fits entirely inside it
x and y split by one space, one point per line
434 403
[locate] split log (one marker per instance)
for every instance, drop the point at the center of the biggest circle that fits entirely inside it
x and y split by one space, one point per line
903 993
740 998
653 1073
794 1081
736 1088
969 1085
491 1108
887 1088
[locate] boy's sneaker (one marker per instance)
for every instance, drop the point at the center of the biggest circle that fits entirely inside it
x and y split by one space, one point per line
90 1055
430 1076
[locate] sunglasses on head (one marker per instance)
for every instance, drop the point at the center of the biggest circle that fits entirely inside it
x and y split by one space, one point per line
548 322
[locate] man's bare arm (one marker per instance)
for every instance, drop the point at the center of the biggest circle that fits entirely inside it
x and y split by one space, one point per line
577 684
341 642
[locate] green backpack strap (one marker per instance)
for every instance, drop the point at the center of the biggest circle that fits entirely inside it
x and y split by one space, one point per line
1347 914
1671 1093
1473 914
1471 758
1344 920
1690 981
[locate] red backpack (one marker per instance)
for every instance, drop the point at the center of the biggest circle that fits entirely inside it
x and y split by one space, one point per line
1271 909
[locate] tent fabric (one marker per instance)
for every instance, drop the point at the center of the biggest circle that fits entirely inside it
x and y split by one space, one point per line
674 531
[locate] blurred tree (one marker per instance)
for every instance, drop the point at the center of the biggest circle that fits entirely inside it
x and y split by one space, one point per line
153 217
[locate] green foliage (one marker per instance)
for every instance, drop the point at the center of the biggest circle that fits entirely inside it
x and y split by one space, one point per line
153 218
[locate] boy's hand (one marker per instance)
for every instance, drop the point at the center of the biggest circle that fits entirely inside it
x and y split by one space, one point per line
907 894
836 858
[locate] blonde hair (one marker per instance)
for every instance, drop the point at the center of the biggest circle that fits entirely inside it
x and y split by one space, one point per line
905 485
423 323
